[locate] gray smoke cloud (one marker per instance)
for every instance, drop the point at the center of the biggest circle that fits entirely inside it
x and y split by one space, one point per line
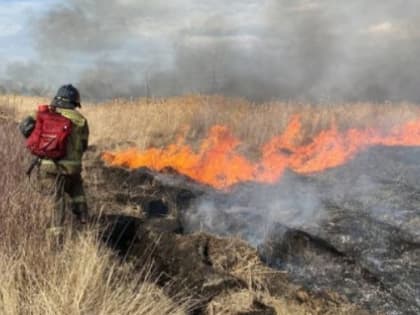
253 211
314 50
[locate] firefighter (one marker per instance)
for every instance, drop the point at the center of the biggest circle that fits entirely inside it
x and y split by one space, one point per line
64 175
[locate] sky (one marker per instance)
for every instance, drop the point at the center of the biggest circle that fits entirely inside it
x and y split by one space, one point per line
15 35
259 49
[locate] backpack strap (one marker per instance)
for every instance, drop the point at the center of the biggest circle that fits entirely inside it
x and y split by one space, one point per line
35 162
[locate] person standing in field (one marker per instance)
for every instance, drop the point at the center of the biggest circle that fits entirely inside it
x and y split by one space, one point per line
57 135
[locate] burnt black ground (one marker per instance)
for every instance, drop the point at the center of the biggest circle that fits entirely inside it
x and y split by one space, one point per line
354 229
366 245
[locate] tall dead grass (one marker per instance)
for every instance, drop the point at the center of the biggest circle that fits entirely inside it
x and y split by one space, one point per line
158 122
83 277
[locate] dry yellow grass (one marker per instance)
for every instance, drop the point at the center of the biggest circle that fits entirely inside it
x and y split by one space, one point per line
244 263
250 302
85 278
157 122
82 278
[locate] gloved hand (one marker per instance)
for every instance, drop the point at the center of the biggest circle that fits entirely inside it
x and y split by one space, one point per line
27 126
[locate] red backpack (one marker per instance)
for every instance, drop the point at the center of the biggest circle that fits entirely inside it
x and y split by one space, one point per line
49 137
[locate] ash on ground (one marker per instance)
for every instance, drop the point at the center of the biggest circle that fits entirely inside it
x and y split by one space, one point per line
354 229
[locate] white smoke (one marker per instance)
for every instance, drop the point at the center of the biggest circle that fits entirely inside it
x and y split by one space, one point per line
252 211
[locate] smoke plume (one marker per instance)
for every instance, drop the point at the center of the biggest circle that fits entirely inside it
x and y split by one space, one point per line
314 50
253 211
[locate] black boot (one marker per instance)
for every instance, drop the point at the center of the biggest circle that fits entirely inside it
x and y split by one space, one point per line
80 210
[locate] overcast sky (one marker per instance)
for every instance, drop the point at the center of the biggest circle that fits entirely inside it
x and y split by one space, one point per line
15 37
261 49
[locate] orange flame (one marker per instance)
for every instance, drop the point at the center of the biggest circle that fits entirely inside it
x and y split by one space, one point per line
217 162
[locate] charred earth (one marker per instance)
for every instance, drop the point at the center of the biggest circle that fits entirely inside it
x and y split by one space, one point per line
353 230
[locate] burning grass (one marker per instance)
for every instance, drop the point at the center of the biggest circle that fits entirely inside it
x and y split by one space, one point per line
251 142
159 122
328 149
85 277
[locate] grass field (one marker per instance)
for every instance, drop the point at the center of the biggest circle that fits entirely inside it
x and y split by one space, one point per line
85 277
158 122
